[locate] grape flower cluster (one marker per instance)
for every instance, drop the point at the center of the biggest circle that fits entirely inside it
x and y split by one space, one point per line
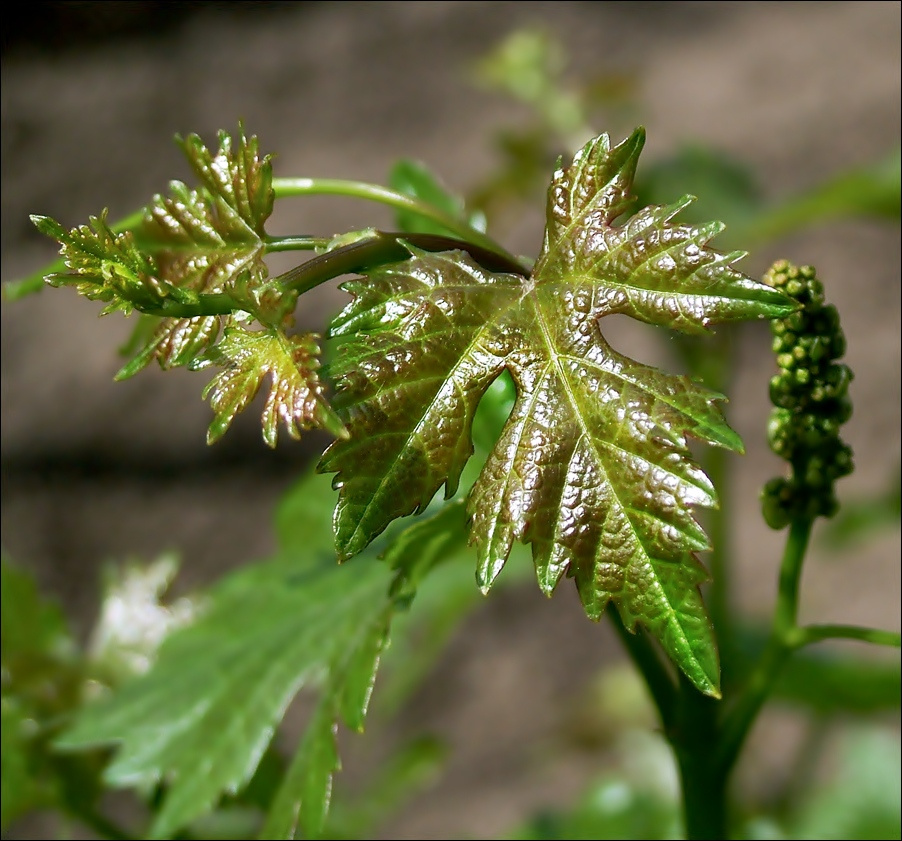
810 396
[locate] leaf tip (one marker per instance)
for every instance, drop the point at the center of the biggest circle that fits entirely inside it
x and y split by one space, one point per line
47 226
637 138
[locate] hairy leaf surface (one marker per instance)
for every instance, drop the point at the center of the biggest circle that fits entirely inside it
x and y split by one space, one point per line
592 467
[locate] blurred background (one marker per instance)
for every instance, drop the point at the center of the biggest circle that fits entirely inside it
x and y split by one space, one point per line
783 96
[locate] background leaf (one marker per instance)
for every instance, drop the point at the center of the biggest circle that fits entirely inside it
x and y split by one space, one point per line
415 179
200 720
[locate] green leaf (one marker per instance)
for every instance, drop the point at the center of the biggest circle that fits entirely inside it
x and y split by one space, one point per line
592 467
202 717
828 680
208 239
307 787
105 266
296 392
31 626
304 796
871 191
415 179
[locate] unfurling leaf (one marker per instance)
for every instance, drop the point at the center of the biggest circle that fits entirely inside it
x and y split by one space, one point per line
196 255
208 239
592 467
296 392
106 266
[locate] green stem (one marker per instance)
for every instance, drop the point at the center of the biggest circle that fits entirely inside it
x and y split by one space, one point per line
295 243
209 303
780 645
787 609
285 187
818 633
703 784
378 249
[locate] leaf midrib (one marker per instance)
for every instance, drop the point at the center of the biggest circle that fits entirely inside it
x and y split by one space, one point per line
554 357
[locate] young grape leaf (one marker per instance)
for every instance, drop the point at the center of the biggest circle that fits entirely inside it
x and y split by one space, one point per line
296 393
592 467
192 242
106 266
207 240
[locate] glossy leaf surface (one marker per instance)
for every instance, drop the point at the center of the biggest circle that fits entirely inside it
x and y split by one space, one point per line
247 358
592 467
208 239
105 266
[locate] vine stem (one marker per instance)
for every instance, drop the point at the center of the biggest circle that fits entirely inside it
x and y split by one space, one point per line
285 187
694 738
292 187
783 640
817 633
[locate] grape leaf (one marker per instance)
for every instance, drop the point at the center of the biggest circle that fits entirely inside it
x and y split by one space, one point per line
106 266
202 717
208 239
592 467
247 358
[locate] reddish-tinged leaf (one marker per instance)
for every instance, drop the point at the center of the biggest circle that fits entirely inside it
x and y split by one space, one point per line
296 392
208 239
592 467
